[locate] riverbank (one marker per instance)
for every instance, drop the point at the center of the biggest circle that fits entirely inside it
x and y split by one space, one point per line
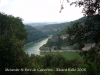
59 51
35 41
33 48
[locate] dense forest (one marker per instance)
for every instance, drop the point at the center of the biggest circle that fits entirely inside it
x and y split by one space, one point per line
60 39
33 34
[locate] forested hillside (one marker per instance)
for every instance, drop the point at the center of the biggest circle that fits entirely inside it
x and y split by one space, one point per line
33 34
53 28
60 39
37 31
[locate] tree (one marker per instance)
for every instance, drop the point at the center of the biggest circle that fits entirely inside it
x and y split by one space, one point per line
90 7
89 31
11 43
76 35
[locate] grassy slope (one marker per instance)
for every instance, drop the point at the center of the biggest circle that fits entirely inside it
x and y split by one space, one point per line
68 55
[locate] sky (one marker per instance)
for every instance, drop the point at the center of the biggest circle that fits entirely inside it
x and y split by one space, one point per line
41 10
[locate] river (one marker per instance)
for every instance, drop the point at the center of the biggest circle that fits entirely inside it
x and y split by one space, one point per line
34 48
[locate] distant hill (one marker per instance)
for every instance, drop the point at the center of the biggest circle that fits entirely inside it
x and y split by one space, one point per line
59 40
40 24
33 34
51 28
36 24
37 31
48 28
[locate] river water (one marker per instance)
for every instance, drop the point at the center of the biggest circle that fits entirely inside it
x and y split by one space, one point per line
34 48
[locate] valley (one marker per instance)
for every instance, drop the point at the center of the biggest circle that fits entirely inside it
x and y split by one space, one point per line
58 41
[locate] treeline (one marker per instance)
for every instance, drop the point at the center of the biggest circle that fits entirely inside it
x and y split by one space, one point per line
33 34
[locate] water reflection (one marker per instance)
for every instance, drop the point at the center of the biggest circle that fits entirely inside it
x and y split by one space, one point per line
34 48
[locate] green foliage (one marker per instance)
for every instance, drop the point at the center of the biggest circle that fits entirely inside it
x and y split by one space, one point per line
76 35
87 33
33 34
93 56
93 28
80 33
67 55
53 29
12 55
90 68
71 28
12 37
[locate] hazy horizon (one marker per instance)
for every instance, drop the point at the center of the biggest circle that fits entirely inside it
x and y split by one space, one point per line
41 10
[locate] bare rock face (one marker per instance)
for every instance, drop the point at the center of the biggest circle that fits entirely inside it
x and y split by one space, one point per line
88 46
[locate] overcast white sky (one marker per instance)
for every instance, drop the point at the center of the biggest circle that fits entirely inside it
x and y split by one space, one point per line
40 10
